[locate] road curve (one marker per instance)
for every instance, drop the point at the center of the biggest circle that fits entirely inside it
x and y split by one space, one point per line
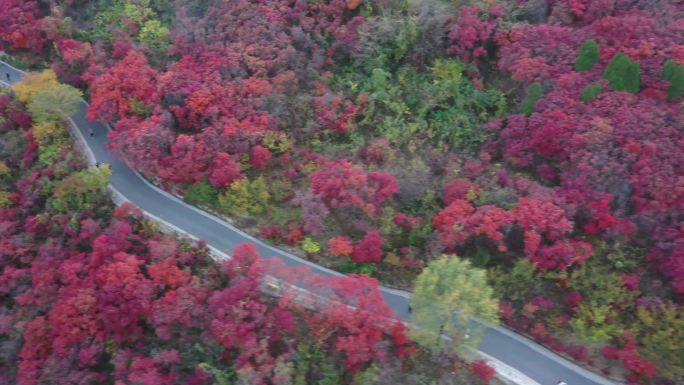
511 349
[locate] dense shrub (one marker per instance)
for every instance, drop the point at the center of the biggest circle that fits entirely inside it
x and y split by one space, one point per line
534 93
674 73
201 194
590 92
588 55
623 74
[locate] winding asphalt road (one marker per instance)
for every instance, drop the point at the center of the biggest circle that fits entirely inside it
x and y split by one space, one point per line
539 364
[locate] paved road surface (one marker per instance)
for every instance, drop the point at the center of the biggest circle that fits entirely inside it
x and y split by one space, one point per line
539 364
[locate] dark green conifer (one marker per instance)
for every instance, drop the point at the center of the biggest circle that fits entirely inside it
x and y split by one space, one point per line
591 92
588 56
674 73
623 74
534 93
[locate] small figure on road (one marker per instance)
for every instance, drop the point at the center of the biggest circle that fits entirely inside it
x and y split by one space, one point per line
410 309
97 164
8 76
90 130
561 382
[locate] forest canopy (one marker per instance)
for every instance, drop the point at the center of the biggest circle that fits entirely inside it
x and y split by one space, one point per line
538 140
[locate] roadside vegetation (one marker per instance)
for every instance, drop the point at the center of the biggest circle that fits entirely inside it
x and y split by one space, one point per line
91 293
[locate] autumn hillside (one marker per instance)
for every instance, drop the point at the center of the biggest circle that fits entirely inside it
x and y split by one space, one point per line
540 140
91 293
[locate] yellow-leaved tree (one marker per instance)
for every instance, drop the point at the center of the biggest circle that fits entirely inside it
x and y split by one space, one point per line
33 83
47 99
245 196
54 103
449 303
75 192
52 139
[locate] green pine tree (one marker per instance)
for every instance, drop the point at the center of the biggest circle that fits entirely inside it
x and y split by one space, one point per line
623 74
674 73
590 92
588 56
534 93
669 68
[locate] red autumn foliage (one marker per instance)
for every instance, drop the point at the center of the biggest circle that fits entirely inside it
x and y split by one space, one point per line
124 295
107 299
406 221
505 310
357 332
614 173
75 56
609 352
577 352
369 249
340 246
114 91
274 233
631 281
483 371
259 157
456 189
607 168
460 220
573 300
545 228
20 25
314 211
628 355
294 235
470 33
225 170
342 184
74 52
334 113
145 144
636 363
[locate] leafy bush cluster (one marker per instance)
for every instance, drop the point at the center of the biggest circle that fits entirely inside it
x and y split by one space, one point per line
439 106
